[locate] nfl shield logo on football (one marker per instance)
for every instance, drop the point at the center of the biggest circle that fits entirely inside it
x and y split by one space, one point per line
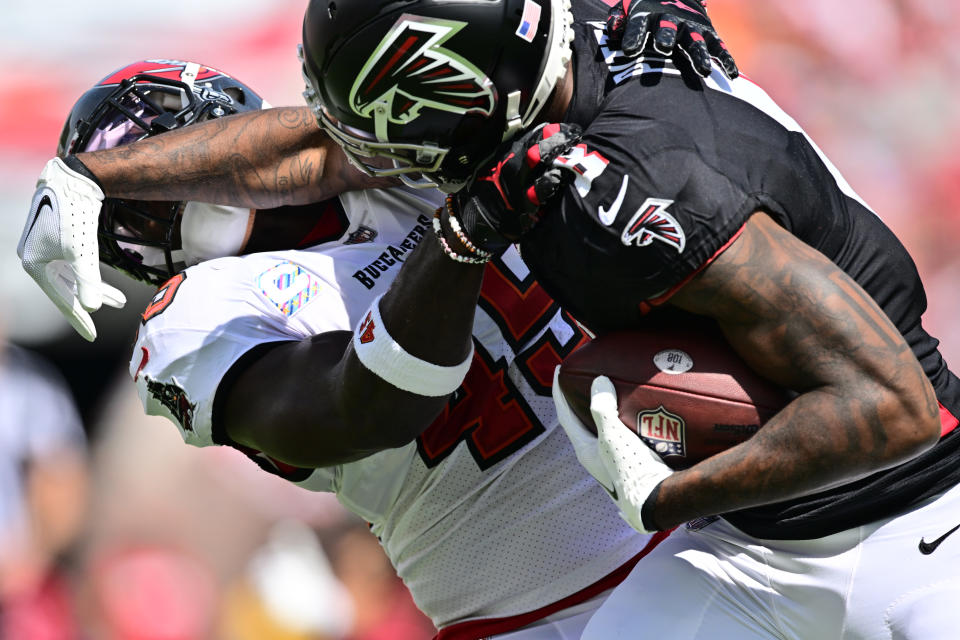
664 432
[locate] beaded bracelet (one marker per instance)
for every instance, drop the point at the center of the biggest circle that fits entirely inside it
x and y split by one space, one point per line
461 236
438 230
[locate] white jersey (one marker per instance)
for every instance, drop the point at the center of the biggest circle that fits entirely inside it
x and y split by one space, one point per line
488 514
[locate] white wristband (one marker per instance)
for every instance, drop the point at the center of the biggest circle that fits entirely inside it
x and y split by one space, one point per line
380 353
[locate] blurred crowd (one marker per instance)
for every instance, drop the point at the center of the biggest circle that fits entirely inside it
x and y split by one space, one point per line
112 529
241 555
124 533
874 83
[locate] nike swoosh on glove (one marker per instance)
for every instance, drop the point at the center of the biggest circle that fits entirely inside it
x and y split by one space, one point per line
634 25
58 247
620 461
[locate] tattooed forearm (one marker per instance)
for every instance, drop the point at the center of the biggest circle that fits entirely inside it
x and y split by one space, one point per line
863 401
259 159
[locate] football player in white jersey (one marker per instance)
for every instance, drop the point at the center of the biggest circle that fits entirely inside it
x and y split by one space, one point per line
294 357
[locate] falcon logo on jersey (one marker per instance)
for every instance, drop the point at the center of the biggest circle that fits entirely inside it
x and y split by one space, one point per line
652 222
409 70
174 400
664 432
366 329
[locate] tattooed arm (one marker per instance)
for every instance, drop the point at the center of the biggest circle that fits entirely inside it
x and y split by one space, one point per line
864 403
259 159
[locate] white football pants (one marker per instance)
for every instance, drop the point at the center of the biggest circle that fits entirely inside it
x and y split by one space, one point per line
867 583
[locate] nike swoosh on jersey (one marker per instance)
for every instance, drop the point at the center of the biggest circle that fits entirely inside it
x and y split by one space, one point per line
607 216
926 548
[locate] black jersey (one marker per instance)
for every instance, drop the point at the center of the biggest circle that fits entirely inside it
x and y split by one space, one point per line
671 167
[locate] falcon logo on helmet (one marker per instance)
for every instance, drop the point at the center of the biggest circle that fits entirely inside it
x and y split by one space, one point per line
427 90
410 70
652 222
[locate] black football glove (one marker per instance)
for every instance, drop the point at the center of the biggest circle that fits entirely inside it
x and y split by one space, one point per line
665 25
505 200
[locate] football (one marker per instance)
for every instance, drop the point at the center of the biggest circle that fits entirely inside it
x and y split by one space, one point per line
682 389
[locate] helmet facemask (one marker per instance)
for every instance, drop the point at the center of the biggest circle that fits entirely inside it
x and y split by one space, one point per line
142 239
462 131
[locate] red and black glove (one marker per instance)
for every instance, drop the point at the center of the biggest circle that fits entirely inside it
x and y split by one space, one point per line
505 200
633 25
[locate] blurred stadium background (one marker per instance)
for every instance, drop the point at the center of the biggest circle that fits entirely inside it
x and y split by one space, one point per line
166 542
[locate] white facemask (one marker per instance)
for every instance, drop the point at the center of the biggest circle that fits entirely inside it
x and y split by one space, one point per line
213 231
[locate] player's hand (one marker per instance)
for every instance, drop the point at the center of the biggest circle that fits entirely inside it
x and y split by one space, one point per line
666 26
505 200
58 248
627 468
583 440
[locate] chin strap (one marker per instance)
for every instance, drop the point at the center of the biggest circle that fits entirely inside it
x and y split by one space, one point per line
514 122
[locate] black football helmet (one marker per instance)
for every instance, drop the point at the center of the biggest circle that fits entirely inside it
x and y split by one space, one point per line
431 87
134 102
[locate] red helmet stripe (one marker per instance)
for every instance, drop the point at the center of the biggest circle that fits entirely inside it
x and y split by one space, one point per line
168 69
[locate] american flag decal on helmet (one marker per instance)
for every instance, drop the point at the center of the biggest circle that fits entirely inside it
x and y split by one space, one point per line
652 222
409 70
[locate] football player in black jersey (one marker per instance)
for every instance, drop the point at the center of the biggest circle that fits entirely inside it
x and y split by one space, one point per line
691 196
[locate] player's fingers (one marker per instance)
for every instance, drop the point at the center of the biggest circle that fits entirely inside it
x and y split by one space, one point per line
695 47
582 436
566 140
59 283
546 185
112 297
635 31
603 401
614 28
717 49
558 398
81 322
60 289
557 141
89 296
665 35
89 284
543 138
578 432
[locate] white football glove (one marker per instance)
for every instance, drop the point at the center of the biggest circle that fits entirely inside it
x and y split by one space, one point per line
59 249
583 441
619 460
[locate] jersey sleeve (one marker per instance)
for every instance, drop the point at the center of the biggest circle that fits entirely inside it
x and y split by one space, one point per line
645 212
204 319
